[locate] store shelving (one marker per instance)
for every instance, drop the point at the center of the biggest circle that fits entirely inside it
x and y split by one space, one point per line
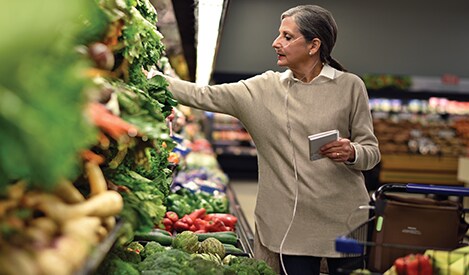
228 136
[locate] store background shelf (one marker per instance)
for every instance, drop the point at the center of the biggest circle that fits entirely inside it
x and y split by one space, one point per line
419 169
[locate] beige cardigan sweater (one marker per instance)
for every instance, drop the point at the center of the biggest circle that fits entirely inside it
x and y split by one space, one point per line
328 192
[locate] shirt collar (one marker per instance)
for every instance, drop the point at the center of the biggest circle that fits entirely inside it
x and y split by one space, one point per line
327 73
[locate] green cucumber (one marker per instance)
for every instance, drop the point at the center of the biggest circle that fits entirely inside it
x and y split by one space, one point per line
226 237
161 231
231 249
156 236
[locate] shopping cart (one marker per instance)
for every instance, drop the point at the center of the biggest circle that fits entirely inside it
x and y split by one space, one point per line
408 219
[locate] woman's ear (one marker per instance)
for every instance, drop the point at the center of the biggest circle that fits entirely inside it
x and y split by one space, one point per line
315 45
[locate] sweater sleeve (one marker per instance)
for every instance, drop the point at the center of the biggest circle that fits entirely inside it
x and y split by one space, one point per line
363 138
230 98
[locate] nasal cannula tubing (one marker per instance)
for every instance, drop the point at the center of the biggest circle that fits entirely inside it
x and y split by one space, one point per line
294 165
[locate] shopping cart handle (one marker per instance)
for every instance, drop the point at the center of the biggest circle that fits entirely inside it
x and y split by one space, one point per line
421 189
348 245
437 189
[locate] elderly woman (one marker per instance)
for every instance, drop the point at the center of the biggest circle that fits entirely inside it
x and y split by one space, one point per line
302 205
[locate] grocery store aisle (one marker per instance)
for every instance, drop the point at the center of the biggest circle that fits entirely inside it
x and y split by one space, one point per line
245 191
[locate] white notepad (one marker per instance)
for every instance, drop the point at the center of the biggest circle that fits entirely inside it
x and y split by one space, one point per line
316 141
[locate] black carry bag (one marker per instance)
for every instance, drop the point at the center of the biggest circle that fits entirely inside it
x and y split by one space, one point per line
408 224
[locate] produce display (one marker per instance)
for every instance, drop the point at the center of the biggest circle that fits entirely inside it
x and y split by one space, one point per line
186 254
86 133
430 262
422 127
91 159
380 81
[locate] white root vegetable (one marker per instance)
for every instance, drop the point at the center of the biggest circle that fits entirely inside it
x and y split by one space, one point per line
46 224
36 237
96 178
50 262
73 250
109 223
16 191
15 261
34 198
7 205
109 203
68 192
86 228
102 233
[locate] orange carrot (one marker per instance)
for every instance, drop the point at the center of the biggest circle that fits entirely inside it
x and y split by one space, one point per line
111 124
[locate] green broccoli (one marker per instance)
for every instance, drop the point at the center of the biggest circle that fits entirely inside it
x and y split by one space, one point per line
112 264
136 247
248 266
126 255
164 262
152 248
176 261
205 267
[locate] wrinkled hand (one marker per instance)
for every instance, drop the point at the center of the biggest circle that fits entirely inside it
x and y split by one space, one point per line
339 151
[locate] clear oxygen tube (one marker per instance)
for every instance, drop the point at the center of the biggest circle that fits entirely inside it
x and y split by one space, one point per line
293 160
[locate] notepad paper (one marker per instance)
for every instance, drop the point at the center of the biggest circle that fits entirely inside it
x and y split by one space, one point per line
316 141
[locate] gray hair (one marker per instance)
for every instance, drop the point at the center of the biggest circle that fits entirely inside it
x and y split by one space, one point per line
316 22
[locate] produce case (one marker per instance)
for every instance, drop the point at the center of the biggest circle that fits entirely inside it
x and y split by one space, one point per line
243 229
99 253
100 129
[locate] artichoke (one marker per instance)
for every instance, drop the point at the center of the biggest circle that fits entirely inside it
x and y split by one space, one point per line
186 241
212 246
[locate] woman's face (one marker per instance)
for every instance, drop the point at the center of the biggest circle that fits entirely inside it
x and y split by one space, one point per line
290 45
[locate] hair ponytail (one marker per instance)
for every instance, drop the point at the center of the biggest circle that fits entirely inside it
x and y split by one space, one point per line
335 64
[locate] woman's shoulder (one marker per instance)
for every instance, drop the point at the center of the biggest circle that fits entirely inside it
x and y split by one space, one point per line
349 76
267 76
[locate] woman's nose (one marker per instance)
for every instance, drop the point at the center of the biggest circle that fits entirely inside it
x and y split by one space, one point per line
276 43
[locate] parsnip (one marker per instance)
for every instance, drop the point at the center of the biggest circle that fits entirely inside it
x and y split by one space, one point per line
6 205
50 262
109 203
15 261
86 228
37 237
73 250
102 233
16 191
46 224
68 192
34 198
109 223
96 178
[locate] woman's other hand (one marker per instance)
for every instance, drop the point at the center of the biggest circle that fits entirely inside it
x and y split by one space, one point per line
339 151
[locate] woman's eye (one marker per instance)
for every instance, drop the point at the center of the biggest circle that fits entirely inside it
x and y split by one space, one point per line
287 37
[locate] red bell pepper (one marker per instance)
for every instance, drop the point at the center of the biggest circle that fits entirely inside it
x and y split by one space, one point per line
228 219
172 216
215 226
413 264
180 226
200 224
198 214
167 222
187 219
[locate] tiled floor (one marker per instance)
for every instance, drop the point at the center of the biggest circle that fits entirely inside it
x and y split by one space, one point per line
245 191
